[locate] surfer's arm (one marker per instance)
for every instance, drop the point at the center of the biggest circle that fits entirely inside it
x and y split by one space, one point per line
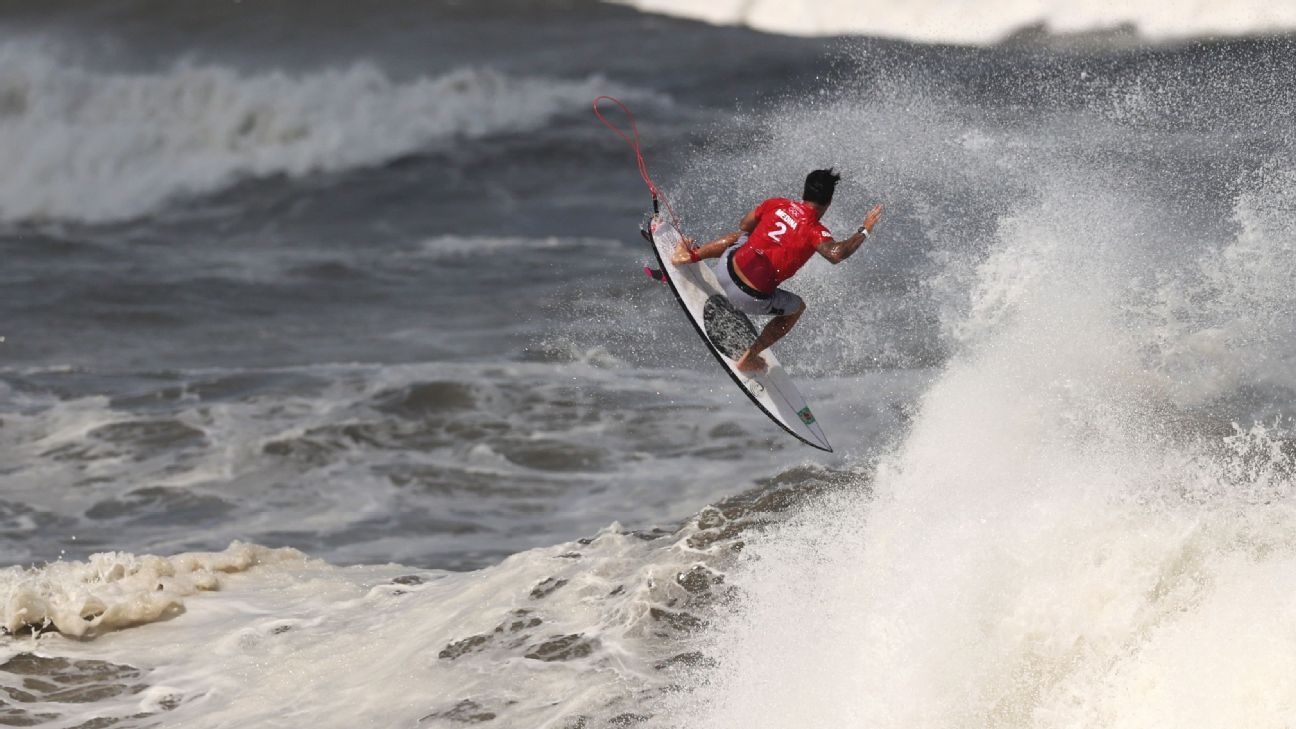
839 250
686 253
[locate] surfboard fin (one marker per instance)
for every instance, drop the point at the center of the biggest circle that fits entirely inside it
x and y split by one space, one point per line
655 274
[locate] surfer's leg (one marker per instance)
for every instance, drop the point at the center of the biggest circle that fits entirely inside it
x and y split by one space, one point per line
788 308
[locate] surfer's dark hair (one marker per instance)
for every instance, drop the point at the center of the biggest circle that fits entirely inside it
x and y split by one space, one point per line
819 186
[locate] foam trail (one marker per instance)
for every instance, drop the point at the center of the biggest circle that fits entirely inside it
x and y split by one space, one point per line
936 21
96 146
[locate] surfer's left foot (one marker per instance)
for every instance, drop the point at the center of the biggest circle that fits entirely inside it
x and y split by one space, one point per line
748 363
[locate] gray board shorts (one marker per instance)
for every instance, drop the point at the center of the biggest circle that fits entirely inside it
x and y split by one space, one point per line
778 303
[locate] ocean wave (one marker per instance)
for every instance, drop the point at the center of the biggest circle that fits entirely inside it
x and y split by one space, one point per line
934 21
1066 536
452 460
589 632
89 145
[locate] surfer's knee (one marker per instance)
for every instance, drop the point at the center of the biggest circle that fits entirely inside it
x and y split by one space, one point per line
786 304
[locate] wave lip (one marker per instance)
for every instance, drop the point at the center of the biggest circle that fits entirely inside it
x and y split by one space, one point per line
96 146
982 23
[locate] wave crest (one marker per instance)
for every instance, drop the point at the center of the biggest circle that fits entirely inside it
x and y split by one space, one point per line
936 21
98 146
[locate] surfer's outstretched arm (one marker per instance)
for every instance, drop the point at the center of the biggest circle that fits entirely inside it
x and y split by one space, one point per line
839 250
686 253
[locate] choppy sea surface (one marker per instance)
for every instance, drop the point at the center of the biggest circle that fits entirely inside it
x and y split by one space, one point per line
332 395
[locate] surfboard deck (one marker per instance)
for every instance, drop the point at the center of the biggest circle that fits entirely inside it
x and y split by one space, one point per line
728 333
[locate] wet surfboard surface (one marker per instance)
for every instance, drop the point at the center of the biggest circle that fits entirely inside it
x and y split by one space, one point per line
728 333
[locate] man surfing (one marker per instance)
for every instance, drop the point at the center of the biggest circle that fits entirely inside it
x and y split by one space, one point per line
773 242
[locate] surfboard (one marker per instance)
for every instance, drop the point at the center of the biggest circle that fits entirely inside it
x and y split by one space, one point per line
728 333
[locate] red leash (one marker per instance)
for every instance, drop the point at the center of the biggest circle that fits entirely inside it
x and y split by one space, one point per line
632 139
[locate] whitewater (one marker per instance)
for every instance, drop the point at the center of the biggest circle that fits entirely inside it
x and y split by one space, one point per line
986 23
275 450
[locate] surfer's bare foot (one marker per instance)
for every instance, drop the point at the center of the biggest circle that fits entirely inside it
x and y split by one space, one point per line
749 363
682 254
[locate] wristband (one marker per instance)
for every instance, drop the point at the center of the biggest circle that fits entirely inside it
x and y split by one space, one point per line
862 231
693 255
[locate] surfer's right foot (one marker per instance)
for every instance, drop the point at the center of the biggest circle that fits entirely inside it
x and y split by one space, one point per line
749 363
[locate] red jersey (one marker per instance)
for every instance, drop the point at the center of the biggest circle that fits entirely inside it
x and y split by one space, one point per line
786 235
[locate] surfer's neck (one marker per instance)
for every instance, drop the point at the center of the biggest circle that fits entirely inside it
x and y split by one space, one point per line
817 208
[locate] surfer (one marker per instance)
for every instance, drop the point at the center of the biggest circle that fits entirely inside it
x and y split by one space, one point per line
773 242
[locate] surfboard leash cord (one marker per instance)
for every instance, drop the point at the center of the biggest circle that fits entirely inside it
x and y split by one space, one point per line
632 140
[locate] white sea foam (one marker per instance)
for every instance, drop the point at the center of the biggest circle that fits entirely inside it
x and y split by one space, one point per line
940 21
115 590
97 145
537 640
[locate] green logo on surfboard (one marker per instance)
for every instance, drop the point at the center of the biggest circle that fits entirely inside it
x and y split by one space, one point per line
807 417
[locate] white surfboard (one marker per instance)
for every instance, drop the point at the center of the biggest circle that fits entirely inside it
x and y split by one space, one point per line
728 333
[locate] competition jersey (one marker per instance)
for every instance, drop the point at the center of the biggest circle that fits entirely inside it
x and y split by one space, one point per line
786 235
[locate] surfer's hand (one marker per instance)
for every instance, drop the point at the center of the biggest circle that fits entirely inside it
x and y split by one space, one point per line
682 254
871 219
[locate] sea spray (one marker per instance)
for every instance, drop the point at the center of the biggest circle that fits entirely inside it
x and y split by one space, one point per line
1057 540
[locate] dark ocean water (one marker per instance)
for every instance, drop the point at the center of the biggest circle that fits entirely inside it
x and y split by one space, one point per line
257 259
363 280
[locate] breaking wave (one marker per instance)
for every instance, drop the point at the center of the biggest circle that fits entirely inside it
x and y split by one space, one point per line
95 146
1074 533
934 21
